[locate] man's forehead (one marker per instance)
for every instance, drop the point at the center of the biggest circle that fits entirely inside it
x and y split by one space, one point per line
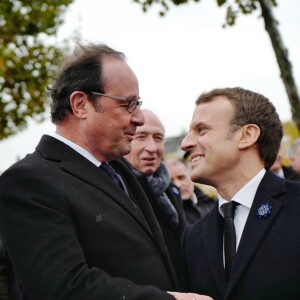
179 169
149 131
214 111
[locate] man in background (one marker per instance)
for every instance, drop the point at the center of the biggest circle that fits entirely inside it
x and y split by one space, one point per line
145 160
294 156
195 203
284 171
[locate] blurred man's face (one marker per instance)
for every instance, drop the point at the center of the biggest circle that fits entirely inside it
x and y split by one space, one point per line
295 160
180 176
277 165
147 145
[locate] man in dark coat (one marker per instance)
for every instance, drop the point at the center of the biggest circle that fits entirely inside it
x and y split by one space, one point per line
75 227
251 252
282 171
145 160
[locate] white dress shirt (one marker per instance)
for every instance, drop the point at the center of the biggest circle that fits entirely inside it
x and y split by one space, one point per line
78 149
244 197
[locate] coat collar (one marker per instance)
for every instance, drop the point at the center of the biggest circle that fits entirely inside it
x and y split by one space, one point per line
254 231
74 163
255 228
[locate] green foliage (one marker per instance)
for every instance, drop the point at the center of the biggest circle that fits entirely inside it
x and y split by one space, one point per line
240 6
264 7
27 59
233 8
146 4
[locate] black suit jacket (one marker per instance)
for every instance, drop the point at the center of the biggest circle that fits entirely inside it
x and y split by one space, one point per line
171 233
193 212
72 234
267 262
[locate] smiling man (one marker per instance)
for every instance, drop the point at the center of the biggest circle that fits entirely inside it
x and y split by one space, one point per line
248 246
145 159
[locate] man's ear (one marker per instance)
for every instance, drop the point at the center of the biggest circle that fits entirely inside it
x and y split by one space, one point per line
78 102
249 136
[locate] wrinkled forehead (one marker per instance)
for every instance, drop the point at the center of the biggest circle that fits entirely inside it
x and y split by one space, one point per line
150 130
178 169
152 125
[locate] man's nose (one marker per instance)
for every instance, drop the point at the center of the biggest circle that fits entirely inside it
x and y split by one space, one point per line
187 143
151 145
138 117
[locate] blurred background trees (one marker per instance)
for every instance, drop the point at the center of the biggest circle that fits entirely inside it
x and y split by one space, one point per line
233 11
28 59
29 52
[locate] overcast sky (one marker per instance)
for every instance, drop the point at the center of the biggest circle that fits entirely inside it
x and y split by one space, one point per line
179 56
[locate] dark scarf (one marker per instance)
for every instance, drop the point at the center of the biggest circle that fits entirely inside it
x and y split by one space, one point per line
159 183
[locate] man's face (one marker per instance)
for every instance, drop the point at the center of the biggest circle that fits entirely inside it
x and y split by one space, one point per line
147 145
211 143
108 133
180 176
295 160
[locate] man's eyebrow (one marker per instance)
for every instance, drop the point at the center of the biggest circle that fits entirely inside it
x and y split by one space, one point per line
147 133
141 132
197 124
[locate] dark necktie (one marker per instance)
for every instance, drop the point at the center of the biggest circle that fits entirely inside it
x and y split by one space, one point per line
229 234
117 179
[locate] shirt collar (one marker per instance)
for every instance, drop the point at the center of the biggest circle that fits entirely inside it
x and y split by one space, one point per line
280 173
246 194
78 149
194 199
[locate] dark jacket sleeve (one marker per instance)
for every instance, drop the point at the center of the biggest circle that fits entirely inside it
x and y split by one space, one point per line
38 231
5 280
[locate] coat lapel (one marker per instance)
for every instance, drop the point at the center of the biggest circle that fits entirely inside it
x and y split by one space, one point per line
173 194
148 212
75 164
255 228
141 199
213 241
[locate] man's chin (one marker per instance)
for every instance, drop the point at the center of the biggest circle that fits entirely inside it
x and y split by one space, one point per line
185 196
148 171
196 177
121 153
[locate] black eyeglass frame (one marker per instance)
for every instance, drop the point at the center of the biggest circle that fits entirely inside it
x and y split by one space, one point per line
132 103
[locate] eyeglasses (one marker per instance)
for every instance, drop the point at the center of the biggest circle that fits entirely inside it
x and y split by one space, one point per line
131 105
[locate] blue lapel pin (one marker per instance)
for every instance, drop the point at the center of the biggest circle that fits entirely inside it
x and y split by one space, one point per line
264 211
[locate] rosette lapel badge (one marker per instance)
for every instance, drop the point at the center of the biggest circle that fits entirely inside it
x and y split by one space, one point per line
264 211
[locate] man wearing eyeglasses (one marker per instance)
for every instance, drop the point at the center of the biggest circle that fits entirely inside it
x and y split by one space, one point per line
75 227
